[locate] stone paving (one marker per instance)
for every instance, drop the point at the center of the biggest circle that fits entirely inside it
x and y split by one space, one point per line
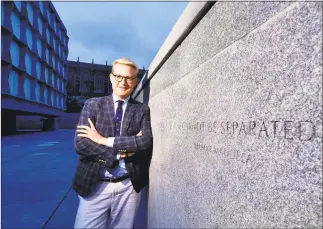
37 172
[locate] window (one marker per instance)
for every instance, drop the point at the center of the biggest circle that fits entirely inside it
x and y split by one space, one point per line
46 75
59 51
54 23
106 88
48 16
47 55
52 97
14 53
40 25
57 103
18 5
13 82
54 62
47 35
29 37
37 92
27 88
41 6
46 95
28 63
38 69
59 67
39 48
77 84
62 102
53 79
15 22
54 44
58 83
30 13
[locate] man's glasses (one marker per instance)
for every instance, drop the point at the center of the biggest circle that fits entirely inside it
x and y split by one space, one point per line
128 79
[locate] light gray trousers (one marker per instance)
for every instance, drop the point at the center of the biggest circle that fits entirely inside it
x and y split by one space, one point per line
113 205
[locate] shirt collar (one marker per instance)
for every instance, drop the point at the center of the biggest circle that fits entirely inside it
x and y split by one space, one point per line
116 98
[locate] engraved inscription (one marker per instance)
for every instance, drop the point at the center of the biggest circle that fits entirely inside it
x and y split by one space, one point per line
223 152
304 130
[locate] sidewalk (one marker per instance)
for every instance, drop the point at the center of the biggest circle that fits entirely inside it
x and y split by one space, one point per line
37 172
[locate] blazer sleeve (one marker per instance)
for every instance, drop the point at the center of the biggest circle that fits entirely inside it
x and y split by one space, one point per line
137 143
85 146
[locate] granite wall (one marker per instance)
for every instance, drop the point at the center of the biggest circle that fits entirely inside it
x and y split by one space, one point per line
237 121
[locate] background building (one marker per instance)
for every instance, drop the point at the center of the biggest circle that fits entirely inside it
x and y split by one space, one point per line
86 80
34 49
89 77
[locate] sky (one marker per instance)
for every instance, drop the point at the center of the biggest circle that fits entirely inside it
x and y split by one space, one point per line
105 31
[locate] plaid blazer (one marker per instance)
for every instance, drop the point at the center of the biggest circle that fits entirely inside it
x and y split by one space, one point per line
94 157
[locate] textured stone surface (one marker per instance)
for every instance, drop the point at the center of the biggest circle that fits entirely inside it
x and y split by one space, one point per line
192 10
224 24
167 75
206 175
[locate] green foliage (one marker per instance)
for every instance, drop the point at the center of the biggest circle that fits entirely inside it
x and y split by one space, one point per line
74 104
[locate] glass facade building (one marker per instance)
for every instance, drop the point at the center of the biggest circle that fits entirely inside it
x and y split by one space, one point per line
34 51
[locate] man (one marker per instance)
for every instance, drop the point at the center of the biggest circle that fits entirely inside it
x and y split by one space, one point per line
114 141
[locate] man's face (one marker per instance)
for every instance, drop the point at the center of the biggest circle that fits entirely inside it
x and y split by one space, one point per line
123 88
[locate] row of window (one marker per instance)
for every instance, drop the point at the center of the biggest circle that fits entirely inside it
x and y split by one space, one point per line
91 84
59 82
47 13
56 99
98 82
16 27
50 59
58 48
50 15
62 38
51 79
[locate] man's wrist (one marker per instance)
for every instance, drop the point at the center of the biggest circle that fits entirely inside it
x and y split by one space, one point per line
103 141
109 141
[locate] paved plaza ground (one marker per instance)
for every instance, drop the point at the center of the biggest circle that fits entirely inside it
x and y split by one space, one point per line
37 172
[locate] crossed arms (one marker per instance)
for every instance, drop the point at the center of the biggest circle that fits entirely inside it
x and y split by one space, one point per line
90 143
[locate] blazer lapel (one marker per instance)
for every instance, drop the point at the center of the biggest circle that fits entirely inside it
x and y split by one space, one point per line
128 115
108 112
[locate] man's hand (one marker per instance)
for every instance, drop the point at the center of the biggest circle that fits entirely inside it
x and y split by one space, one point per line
91 133
125 155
